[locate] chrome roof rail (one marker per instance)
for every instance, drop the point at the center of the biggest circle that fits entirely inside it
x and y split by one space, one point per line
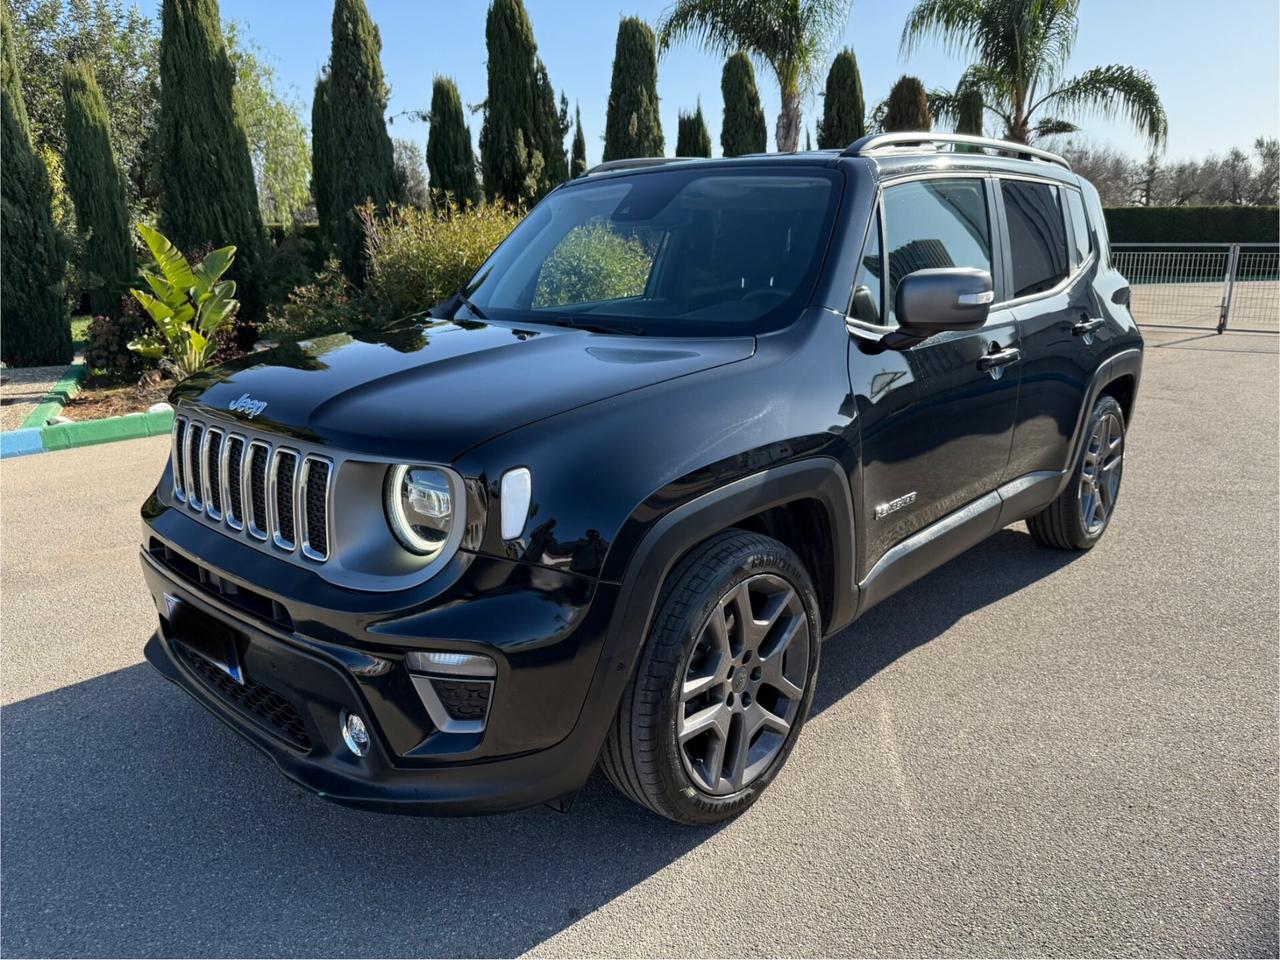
632 163
887 142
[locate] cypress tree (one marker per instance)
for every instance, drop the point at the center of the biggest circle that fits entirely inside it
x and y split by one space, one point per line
32 311
969 113
518 153
322 165
692 139
578 162
363 160
451 164
843 109
97 190
553 124
208 193
908 107
632 127
743 129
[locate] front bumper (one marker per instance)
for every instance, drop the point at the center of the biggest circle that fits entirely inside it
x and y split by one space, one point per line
299 686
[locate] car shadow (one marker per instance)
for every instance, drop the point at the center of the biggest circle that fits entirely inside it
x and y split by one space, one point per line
135 824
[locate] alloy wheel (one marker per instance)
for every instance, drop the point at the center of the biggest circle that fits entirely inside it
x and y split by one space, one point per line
743 684
1100 473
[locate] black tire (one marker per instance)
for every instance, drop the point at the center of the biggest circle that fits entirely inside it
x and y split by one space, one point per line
1062 524
642 755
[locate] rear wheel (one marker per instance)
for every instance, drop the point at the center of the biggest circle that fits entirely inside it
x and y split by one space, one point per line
724 683
1080 515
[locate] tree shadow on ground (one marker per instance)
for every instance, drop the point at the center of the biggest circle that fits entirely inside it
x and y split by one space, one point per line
133 823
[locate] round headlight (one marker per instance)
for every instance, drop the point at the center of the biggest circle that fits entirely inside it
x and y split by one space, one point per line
420 508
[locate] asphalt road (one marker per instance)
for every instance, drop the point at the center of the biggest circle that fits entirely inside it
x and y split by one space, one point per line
1028 752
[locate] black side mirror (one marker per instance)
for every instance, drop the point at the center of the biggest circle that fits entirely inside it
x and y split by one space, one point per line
931 301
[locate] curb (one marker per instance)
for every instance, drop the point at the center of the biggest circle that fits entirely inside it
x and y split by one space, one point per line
57 397
65 436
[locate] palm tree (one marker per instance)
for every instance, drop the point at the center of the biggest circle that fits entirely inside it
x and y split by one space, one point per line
1021 48
791 37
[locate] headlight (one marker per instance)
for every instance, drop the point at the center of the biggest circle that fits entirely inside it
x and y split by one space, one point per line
420 508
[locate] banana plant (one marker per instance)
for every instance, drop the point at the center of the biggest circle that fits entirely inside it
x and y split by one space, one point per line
190 305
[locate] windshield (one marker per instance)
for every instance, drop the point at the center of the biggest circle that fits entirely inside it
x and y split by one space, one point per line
678 252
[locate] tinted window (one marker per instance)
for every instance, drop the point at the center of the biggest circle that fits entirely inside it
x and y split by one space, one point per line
666 252
935 223
866 287
1079 226
1037 235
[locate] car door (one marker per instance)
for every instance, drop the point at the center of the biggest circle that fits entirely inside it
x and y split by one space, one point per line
1050 263
935 419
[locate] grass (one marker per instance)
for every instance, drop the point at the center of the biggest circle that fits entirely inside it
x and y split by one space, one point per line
80 332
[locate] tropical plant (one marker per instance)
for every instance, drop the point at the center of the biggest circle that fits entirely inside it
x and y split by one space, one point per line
742 130
843 109
692 138
632 126
32 310
790 36
578 157
907 107
419 258
361 157
96 188
207 185
450 160
1021 48
522 137
190 305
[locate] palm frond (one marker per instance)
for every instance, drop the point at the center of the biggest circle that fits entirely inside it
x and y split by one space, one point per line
1111 91
953 23
1052 127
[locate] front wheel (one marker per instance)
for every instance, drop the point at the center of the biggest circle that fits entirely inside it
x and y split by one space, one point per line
724 684
1080 515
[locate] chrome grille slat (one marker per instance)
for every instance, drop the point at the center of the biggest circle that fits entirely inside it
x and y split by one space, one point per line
277 497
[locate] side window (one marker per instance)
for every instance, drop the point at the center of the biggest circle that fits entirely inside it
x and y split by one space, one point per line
1079 226
1037 235
867 288
935 223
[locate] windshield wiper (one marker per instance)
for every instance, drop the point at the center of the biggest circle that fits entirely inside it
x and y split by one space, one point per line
464 301
595 326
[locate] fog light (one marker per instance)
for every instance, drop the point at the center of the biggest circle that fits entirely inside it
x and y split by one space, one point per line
354 734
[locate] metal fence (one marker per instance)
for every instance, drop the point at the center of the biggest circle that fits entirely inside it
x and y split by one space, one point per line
1203 285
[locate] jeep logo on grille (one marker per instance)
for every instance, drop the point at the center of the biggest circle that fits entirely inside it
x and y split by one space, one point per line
248 406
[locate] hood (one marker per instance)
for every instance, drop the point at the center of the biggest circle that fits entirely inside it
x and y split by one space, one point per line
432 390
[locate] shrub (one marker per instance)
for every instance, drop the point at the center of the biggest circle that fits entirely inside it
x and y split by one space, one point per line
330 303
417 259
191 306
107 352
692 138
907 107
1193 224
593 263
288 266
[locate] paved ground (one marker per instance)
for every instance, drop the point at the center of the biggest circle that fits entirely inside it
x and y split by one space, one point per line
22 389
1025 753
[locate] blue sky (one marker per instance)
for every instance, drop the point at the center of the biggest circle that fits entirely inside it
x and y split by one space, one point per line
1215 65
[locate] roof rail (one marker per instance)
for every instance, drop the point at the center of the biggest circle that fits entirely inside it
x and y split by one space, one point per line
885 142
630 163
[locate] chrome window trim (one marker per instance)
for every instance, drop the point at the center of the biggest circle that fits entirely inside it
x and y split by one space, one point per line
300 507
224 477
209 477
251 518
273 493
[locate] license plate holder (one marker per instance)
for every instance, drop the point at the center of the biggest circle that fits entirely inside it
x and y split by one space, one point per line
206 637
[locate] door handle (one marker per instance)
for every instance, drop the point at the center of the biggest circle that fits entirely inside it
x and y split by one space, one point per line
1087 326
1000 358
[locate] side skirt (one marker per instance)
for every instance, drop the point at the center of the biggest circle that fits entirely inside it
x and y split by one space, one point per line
955 533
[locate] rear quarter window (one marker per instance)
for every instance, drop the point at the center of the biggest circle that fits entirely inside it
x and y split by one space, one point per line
1037 236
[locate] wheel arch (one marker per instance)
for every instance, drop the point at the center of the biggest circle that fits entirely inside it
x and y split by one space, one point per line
1117 376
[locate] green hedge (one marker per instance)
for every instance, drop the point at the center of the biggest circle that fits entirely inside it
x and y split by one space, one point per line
1193 224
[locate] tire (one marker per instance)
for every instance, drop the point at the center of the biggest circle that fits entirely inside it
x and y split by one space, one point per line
1063 524
706 679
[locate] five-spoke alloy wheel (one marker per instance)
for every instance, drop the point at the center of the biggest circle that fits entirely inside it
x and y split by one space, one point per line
723 684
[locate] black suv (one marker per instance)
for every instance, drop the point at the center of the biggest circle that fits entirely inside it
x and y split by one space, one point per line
602 506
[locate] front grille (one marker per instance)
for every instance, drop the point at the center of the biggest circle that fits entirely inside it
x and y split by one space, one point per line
243 483
271 708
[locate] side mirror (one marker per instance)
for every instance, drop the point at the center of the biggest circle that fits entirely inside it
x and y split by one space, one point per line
932 301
